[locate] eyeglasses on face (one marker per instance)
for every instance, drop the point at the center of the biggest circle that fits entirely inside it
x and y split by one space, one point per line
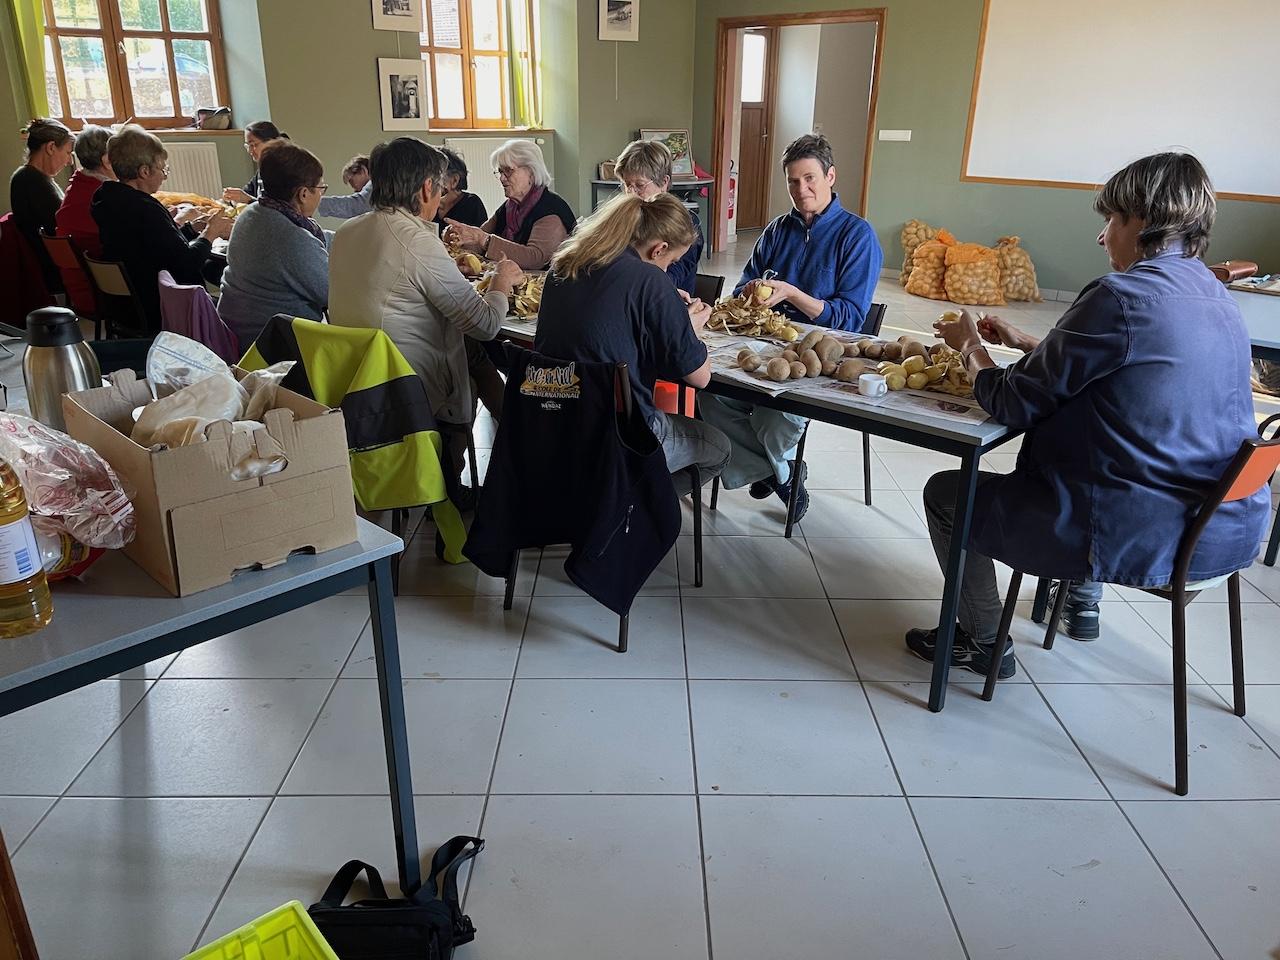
504 173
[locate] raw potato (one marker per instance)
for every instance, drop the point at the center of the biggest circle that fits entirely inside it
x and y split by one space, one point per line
812 365
798 372
744 353
829 348
1017 272
873 349
778 369
828 367
913 365
917 381
752 363
790 355
973 275
853 349
895 381
810 340
851 369
914 348
914 233
892 351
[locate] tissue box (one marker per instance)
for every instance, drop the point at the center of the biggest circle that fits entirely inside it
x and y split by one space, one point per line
196 526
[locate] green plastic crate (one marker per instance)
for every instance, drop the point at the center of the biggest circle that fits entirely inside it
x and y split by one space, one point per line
286 933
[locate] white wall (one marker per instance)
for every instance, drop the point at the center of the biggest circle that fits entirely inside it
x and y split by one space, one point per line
735 154
798 49
842 99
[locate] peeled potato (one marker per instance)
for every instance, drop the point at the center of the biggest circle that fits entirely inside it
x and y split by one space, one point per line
812 365
935 372
913 365
917 381
889 369
895 381
763 293
778 369
798 371
788 334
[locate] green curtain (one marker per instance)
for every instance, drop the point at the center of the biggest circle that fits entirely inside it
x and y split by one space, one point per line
28 18
522 66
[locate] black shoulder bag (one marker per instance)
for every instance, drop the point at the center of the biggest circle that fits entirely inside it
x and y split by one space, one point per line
421 927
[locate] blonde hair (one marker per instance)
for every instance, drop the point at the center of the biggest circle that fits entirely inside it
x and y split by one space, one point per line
646 158
131 149
625 221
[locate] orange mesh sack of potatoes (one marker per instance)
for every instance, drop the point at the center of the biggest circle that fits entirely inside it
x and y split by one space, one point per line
973 275
1017 272
929 267
914 233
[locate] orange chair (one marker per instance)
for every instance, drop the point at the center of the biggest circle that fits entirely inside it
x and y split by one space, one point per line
68 258
1249 471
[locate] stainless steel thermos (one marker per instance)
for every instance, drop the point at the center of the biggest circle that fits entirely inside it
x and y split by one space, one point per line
57 361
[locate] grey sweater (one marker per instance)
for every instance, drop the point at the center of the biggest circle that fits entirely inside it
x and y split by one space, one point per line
273 266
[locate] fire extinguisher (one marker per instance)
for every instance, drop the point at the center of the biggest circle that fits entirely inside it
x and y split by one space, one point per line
733 190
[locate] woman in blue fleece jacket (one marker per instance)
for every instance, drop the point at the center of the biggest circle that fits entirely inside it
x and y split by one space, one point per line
826 261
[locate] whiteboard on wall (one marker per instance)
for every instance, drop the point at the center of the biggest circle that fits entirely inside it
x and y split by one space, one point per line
1066 92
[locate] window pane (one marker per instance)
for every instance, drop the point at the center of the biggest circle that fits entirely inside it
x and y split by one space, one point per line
444 23
449 85
76 13
194 62
149 76
187 15
51 81
753 56
485 32
140 14
85 66
488 88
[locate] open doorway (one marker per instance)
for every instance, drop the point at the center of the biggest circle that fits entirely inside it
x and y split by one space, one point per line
778 77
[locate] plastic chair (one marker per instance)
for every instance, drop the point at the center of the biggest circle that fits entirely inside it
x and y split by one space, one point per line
189 310
707 287
875 319
1249 471
1273 544
116 298
622 393
66 256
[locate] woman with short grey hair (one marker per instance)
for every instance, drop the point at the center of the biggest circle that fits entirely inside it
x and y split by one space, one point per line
530 226
388 268
74 219
1133 406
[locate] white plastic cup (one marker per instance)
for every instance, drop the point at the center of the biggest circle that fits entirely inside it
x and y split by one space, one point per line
872 385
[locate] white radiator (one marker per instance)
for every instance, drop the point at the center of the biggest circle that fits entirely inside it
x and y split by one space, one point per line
193 168
480 178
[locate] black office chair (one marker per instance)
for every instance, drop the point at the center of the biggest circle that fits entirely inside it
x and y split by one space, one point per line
875 319
707 288
1273 544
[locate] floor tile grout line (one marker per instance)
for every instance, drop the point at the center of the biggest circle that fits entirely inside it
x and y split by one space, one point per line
284 777
1132 826
506 712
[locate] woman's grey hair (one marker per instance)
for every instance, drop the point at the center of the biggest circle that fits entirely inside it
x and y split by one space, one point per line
91 146
523 153
399 169
645 158
131 149
1172 194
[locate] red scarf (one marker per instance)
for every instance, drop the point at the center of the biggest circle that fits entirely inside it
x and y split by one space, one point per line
517 212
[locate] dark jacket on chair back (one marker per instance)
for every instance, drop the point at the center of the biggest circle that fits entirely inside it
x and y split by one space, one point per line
137 230
568 468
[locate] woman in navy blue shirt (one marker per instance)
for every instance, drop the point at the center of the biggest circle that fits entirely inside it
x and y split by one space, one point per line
1133 405
608 299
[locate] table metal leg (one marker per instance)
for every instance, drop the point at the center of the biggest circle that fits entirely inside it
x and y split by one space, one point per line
966 489
386 652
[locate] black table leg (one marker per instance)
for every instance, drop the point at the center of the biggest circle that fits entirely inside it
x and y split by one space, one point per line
952 575
386 652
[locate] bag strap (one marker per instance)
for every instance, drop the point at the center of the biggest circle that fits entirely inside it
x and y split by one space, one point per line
448 859
340 886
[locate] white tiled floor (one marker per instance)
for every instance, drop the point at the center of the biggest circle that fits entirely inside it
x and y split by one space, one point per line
756 778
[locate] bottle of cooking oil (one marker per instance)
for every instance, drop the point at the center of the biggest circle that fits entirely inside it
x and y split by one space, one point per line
25 602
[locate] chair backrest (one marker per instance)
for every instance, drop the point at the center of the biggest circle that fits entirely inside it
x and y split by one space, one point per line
707 288
188 309
62 251
875 317
68 258
1248 472
109 277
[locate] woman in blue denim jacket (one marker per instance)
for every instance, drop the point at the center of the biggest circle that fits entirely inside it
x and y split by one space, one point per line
1133 405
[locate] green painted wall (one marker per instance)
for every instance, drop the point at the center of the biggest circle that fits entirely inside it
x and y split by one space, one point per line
925 80
13 104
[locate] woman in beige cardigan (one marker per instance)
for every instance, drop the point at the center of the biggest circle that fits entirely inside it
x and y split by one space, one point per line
388 268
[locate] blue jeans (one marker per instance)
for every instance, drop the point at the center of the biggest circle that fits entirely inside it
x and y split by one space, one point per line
763 440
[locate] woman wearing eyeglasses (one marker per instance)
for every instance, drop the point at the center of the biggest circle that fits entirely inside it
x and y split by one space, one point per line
138 231
278 257
533 222
644 168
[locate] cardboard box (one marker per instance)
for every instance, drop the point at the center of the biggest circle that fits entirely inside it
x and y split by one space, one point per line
197 526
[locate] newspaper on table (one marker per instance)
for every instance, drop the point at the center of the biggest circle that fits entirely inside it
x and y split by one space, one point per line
724 364
938 406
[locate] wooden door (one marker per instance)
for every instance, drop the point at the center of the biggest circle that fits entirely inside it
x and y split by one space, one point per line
759 62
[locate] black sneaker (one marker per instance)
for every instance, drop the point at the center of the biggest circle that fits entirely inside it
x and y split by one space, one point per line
1080 618
965 652
761 489
783 490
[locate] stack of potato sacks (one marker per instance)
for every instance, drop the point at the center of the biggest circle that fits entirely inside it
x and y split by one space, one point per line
940 268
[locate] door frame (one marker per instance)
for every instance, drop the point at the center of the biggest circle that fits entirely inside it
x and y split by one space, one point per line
770 105
727 64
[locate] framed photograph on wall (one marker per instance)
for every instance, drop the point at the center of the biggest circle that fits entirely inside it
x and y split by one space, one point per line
402 86
677 141
619 19
405 15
